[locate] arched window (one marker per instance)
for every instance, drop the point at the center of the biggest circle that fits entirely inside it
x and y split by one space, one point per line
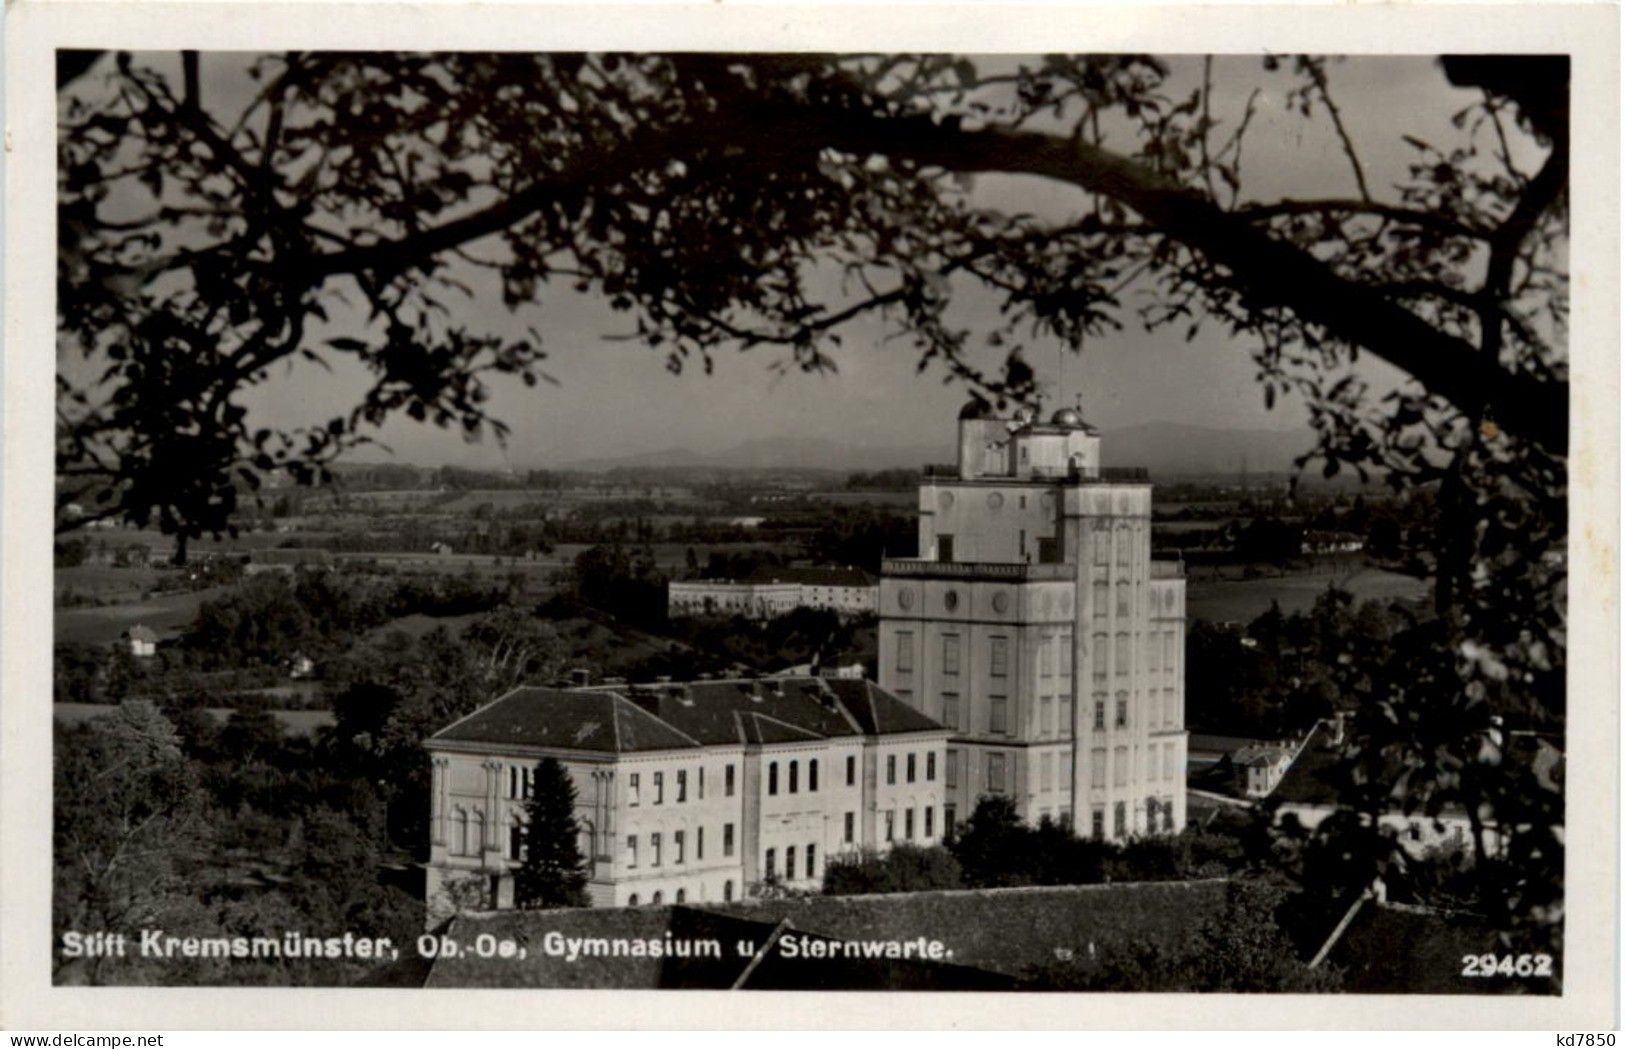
516 839
632 900
682 895
728 890
655 899
476 828
460 835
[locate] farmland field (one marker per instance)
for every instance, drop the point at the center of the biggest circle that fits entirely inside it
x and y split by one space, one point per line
166 615
294 722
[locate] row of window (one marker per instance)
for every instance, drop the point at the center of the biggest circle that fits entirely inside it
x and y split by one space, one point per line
520 781
1055 771
911 767
1120 765
770 862
1054 655
657 854
1159 815
681 896
1169 710
1047 767
794 775
927 824
1158 643
634 786
1101 545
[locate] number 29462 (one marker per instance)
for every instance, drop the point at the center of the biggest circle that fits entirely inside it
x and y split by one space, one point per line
1507 965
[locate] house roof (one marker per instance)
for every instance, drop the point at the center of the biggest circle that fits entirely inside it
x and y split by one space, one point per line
812 576
1208 741
567 719
706 710
141 632
619 719
877 712
1253 756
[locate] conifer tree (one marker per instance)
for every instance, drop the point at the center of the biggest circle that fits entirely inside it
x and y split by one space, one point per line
553 873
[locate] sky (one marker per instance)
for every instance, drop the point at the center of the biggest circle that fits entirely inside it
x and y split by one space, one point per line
616 398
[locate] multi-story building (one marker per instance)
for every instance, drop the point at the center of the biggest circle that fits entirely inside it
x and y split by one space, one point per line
772 592
1036 626
694 791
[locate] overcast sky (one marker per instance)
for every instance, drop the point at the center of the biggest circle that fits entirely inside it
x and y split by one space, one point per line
617 398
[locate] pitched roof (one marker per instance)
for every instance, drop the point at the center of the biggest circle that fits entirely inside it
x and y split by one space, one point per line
759 728
877 712
570 720
840 575
619 719
705 709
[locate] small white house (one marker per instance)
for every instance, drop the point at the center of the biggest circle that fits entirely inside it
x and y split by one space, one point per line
140 641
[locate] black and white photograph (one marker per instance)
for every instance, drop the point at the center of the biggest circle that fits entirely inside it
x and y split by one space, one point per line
801 520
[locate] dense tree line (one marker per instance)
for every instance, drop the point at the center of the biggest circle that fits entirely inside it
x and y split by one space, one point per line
274 615
995 849
206 830
1281 674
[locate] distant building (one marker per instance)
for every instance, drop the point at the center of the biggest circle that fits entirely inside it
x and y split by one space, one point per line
1332 543
849 671
301 665
1262 768
140 641
1308 794
1036 626
772 592
686 792
286 559
728 597
440 548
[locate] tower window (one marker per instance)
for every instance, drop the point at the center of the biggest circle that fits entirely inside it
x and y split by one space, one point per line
998 657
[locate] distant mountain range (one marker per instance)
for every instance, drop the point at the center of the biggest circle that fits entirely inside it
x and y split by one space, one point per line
1167 449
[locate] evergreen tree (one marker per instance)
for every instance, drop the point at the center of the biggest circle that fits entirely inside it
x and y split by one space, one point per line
554 873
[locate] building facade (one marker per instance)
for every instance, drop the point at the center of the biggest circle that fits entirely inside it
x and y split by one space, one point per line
1037 628
685 792
774 592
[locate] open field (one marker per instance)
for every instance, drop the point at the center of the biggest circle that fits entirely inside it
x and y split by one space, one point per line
166 615
106 582
1243 600
868 497
294 722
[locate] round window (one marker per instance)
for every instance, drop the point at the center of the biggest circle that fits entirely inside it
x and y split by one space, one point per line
945 500
995 500
905 599
1001 602
950 600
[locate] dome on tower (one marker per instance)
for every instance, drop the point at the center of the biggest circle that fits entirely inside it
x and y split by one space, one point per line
976 408
1067 417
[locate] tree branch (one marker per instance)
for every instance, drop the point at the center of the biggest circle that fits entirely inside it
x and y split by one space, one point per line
1410 216
1272 272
